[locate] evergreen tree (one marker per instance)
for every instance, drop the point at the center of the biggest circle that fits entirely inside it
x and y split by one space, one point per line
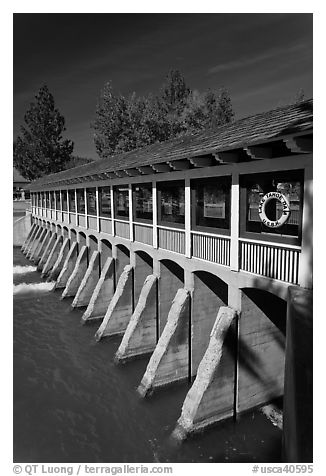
41 149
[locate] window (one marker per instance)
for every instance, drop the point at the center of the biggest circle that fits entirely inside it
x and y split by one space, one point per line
52 200
121 201
171 202
91 201
211 203
72 203
64 200
47 199
254 187
105 201
143 202
57 200
80 200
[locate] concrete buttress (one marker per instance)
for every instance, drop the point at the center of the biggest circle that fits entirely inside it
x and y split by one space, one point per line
119 311
46 252
53 256
42 247
57 267
211 397
68 266
38 247
140 335
170 360
77 274
34 243
28 238
89 282
103 293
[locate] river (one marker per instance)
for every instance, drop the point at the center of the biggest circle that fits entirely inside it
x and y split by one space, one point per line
73 404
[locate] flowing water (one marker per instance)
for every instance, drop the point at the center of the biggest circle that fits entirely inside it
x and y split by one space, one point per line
73 404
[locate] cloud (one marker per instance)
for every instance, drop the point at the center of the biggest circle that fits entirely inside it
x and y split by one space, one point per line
249 61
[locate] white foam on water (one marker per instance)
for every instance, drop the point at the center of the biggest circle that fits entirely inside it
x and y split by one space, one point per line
28 287
24 269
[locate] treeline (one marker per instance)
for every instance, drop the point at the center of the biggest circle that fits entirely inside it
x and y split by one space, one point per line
123 123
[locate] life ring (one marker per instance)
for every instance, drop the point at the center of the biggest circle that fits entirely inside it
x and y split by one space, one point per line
285 211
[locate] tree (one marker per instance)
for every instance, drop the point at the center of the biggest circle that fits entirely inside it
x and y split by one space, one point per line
126 123
41 149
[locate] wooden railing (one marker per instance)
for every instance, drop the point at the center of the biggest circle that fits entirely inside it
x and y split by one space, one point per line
209 247
171 239
143 233
106 225
122 228
91 222
81 220
273 261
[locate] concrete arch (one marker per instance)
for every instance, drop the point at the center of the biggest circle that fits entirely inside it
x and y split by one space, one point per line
92 244
65 232
81 238
209 294
105 247
261 349
172 278
73 235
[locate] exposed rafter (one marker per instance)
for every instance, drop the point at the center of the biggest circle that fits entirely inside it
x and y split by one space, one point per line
132 172
259 151
202 161
228 156
302 145
145 170
164 167
180 164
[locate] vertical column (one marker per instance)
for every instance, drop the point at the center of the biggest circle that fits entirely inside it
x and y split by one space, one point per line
61 212
187 218
86 211
76 206
154 206
131 207
68 206
235 211
55 205
97 210
112 211
305 261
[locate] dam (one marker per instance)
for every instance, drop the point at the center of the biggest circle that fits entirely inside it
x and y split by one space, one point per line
186 251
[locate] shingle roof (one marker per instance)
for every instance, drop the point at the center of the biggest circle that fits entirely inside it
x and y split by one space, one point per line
269 125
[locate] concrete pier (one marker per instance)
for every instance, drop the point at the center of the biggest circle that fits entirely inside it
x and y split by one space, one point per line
58 265
120 309
89 282
29 237
77 274
169 362
42 246
103 293
140 335
68 266
34 243
30 240
53 256
37 248
211 397
46 252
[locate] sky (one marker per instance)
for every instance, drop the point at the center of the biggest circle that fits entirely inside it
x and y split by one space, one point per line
262 59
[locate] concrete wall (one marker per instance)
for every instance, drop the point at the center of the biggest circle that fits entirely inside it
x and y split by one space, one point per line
261 348
143 268
21 228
